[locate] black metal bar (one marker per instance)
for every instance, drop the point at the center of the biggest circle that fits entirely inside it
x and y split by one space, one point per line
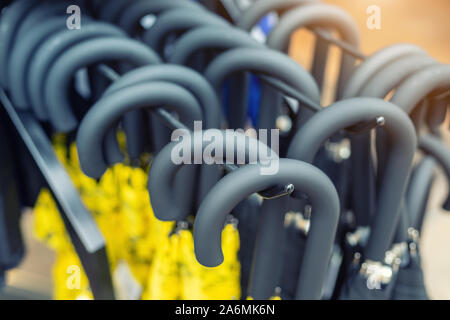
328 37
82 228
291 92
347 48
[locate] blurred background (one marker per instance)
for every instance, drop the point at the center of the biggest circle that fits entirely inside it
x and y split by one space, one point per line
424 23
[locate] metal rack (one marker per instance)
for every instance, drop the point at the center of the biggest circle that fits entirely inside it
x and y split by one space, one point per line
81 226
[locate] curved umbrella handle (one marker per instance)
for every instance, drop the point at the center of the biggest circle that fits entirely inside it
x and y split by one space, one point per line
236 147
176 20
130 18
219 38
247 20
403 142
111 108
378 84
415 88
106 112
85 54
367 69
48 52
182 76
190 80
318 15
236 186
210 37
394 73
434 147
266 62
22 52
12 18
254 13
409 95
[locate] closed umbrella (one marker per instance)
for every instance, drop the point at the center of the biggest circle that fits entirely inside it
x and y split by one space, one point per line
203 40
105 114
246 212
193 82
400 129
374 77
47 53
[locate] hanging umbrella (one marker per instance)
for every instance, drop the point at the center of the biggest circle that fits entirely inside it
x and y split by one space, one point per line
348 113
375 77
247 211
246 180
107 111
276 65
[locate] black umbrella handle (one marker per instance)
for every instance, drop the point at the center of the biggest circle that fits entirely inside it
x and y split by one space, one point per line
51 49
418 86
325 16
391 75
106 112
402 138
191 81
265 62
254 13
21 54
376 62
236 186
163 169
45 11
410 96
185 77
85 54
130 18
207 38
182 76
378 83
179 20
12 17
200 40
